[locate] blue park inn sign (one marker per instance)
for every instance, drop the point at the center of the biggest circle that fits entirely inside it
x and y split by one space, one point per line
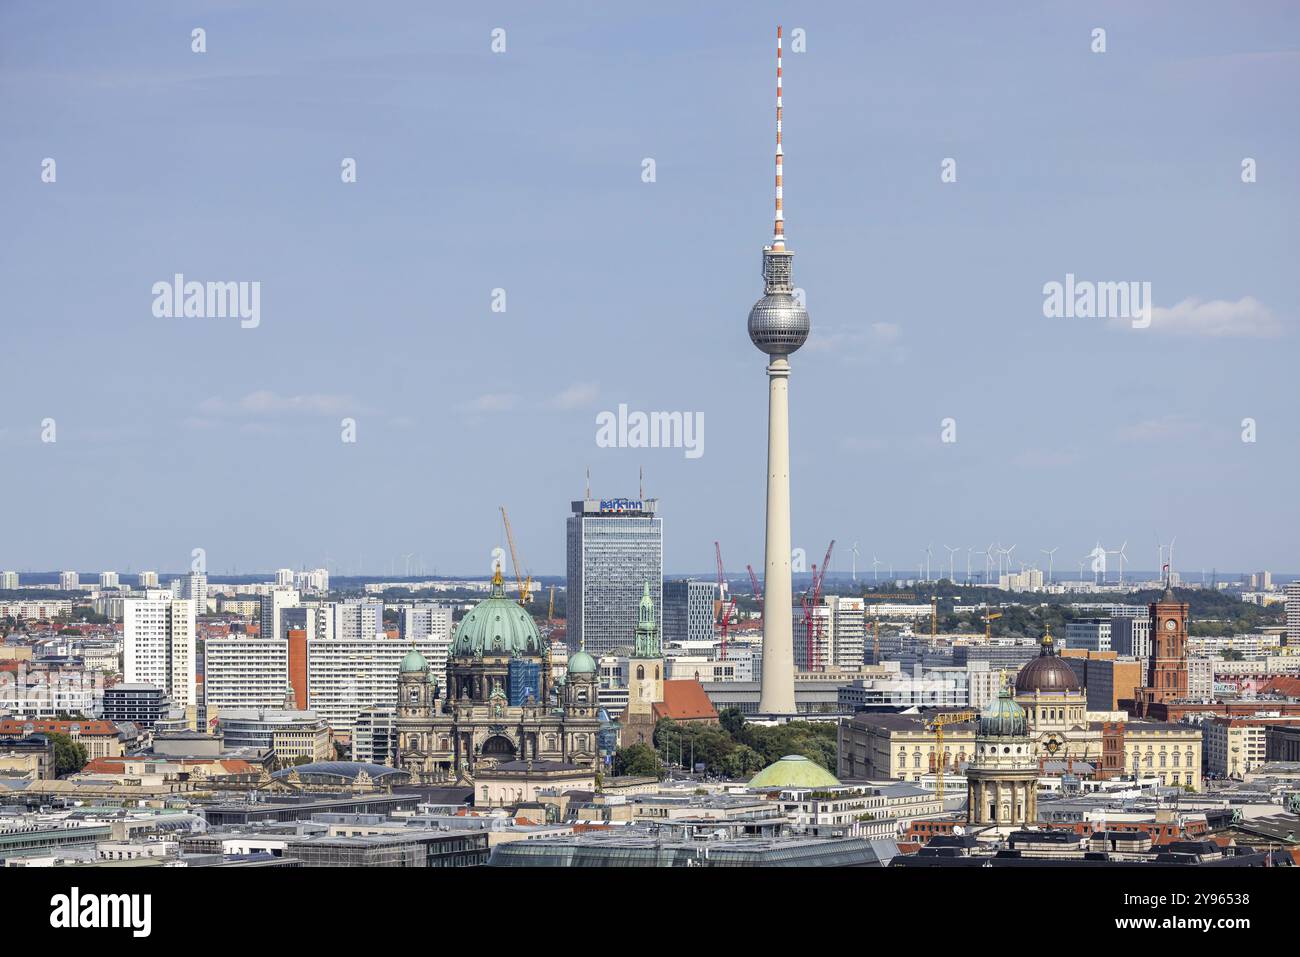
621 505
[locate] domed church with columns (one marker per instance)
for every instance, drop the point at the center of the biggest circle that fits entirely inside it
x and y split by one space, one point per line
501 706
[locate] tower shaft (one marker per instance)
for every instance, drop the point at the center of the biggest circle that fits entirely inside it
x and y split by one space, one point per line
777 691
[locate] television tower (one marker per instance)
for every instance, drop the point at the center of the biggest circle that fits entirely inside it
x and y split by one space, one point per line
778 325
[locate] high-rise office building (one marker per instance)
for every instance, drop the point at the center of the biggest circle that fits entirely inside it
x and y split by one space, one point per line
108 579
813 636
1131 637
8 580
849 626
1293 613
69 580
1089 634
778 325
313 618
284 578
274 603
317 580
158 645
688 610
244 672
615 547
347 676
432 622
148 579
358 618
194 587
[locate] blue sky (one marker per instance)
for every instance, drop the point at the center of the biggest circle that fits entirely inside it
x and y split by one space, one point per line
522 171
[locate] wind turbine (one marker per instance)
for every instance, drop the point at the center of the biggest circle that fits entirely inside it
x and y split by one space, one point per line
875 566
951 552
928 553
988 562
969 550
1050 553
1123 557
854 551
1010 559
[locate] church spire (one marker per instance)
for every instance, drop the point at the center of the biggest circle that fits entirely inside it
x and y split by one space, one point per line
647 635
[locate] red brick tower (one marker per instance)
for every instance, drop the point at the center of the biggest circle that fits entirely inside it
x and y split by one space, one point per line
1167 669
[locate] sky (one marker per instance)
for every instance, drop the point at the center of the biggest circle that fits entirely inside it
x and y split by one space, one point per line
524 170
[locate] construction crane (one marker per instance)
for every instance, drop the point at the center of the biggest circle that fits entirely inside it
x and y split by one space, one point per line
550 608
934 615
753 583
812 649
988 623
875 620
937 724
725 610
525 587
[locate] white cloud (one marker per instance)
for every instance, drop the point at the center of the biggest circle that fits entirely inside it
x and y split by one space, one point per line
576 396
1163 427
1219 318
264 402
879 340
491 402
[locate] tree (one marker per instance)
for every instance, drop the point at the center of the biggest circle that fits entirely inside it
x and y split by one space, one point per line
69 756
638 760
732 721
742 762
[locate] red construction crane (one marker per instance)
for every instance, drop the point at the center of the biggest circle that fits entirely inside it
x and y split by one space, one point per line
812 655
758 592
725 611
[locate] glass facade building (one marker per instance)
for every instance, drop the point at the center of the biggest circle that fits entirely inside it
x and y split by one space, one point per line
615 546
688 610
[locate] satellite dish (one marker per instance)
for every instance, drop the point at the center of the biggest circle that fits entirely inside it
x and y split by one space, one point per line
958 830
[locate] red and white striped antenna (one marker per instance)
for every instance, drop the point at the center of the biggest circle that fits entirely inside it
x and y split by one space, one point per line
778 230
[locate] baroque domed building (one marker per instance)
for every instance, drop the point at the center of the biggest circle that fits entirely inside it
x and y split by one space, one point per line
1056 706
500 707
1002 777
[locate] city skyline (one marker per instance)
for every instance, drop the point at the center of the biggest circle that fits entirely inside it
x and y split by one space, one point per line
174 434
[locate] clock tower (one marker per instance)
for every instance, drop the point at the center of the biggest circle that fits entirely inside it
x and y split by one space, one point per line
1167 667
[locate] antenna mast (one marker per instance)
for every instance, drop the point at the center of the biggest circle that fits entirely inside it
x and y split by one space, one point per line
778 228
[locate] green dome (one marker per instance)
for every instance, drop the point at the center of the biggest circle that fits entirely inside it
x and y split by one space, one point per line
582 664
497 627
413 662
794 771
1003 719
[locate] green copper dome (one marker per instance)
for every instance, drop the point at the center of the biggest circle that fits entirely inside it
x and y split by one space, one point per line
582 663
413 662
1003 718
794 771
497 627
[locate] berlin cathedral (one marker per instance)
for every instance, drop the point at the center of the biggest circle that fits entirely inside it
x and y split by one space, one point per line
501 706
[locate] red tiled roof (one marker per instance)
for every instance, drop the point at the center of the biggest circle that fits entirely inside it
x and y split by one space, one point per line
685 700
105 766
1283 685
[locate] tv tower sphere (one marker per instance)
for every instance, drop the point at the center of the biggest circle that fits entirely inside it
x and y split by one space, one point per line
778 324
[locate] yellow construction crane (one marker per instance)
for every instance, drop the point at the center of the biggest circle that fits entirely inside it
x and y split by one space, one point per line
896 596
937 724
988 623
550 609
525 586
